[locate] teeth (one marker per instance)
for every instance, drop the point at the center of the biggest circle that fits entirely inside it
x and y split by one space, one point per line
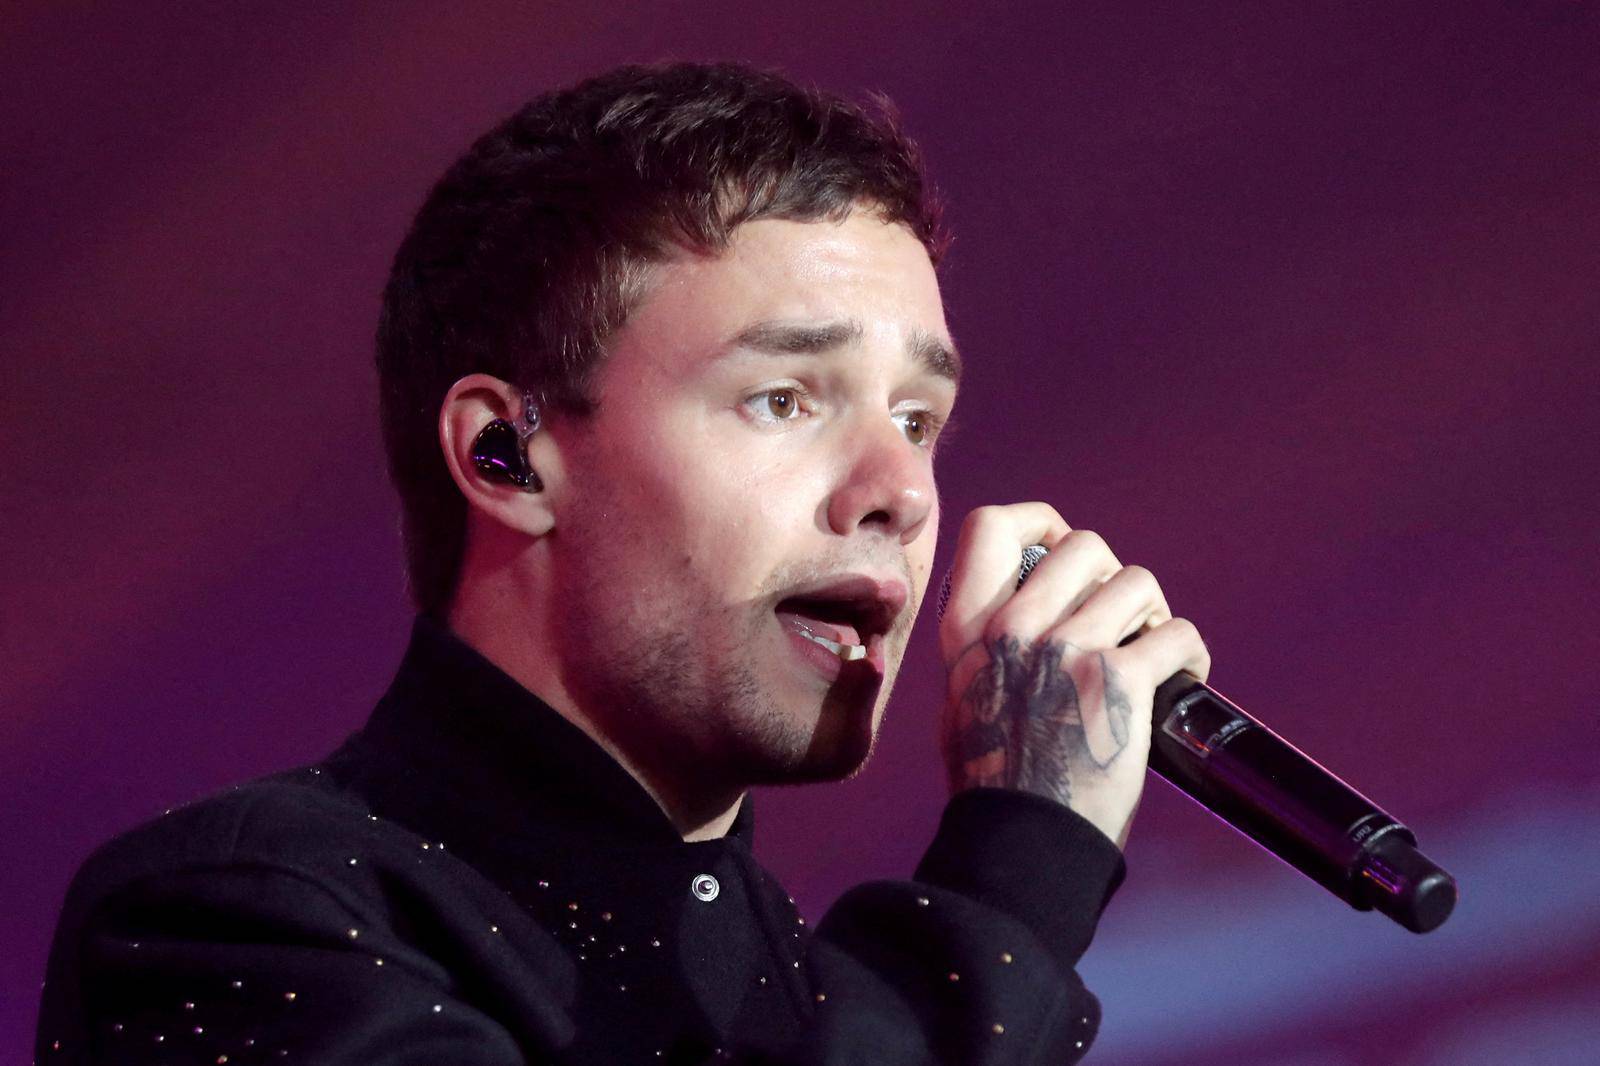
848 652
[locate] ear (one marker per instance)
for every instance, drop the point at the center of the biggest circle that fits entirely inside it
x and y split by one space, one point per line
469 406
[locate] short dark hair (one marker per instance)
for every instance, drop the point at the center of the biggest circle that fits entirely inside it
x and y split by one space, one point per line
535 246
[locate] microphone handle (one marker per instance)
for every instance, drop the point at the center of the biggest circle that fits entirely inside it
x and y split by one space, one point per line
1263 786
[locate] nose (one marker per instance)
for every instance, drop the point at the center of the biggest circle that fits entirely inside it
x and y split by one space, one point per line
888 486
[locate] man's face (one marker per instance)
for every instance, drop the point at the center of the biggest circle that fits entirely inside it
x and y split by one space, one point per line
759 469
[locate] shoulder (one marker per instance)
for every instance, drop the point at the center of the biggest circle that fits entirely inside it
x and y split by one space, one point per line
288 890
286 817
299 827
296 858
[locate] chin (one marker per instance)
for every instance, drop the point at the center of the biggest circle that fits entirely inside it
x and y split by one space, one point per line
832 745
778 732
837 757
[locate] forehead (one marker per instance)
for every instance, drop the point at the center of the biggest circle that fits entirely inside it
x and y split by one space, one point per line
863 271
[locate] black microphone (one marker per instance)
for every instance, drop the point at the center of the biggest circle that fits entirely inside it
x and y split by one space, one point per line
1269 790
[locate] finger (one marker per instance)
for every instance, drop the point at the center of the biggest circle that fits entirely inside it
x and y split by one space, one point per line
1167 648
1060 583
988 557
1110 724
1130 599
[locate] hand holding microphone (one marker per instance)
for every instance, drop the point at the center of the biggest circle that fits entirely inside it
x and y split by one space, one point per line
1039 700
1042 694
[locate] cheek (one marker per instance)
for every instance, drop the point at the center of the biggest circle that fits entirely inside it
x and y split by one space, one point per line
745 511
720 506
712 506
921 552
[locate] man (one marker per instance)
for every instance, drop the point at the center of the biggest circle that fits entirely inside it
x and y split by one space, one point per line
663 365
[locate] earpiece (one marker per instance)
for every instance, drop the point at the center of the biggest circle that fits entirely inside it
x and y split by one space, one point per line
501 450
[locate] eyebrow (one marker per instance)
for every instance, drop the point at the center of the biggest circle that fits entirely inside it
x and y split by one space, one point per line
804 338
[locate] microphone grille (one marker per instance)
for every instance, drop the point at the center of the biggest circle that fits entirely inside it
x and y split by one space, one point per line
1030 559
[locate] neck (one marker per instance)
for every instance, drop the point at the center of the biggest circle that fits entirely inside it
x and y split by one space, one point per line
496 625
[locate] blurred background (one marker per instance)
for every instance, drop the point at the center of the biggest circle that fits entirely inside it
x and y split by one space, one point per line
1296 303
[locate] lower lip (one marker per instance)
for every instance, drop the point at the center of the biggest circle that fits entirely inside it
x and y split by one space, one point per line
829 665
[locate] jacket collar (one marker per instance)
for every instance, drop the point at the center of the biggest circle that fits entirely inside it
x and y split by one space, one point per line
461 747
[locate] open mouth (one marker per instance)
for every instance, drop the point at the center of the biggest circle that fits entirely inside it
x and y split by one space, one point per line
848 618
831 625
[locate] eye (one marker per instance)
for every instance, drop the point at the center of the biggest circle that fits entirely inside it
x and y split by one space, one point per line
920 427
784 404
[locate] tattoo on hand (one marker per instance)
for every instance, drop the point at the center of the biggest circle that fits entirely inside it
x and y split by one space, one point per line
1119 712
1021 721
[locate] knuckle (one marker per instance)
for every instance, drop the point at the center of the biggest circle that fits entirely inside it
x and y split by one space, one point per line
998 627
980 520
1141 576
1187 629
1067 634
1087 540
951 641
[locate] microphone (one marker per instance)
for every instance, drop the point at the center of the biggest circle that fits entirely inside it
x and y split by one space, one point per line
1269 790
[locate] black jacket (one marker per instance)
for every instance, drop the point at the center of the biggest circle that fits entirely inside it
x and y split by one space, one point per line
470 879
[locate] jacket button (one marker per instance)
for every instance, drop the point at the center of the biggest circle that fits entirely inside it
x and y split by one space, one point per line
705 888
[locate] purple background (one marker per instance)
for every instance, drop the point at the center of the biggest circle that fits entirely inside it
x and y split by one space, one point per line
1295 303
